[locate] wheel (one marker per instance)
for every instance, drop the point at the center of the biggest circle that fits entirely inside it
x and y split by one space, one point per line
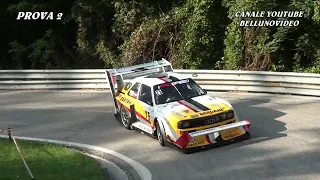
125 118
160 135
186 151
248 135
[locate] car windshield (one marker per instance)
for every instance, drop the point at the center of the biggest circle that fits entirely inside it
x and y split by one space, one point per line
178 90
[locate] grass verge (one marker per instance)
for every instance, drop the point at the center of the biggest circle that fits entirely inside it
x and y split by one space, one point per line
46 161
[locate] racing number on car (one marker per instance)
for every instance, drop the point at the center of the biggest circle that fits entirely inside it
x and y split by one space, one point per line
147 115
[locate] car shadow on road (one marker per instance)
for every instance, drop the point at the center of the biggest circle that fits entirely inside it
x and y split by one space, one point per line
257 158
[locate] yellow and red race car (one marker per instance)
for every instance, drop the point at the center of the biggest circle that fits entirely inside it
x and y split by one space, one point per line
152 98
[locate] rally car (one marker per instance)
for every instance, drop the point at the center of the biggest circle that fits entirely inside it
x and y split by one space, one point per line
174 109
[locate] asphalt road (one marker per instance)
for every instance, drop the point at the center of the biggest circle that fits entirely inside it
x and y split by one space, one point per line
285 131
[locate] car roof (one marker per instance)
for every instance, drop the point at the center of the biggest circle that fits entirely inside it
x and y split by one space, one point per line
156 79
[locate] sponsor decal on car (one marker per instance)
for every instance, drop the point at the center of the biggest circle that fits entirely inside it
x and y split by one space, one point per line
194 116
133 94
178 114
211 111
186 111
194 142
230 133
123 99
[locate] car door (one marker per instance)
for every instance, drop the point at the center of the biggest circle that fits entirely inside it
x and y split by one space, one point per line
145 99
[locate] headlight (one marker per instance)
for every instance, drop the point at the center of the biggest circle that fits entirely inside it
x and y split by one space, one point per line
183 124
230 114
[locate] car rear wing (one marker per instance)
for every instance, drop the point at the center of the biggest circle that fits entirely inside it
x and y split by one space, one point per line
116 77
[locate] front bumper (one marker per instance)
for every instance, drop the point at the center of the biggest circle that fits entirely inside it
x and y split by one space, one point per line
218 144
186 138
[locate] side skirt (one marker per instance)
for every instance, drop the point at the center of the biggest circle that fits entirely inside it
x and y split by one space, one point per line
144 132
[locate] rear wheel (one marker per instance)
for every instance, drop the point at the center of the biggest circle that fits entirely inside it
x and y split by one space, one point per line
125 117
160 135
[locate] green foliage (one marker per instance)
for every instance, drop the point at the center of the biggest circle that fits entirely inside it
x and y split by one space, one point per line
19 53
204 35
307 44
186 35
193 34
154 38
249 48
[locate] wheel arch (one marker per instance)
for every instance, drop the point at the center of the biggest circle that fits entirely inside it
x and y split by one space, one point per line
158 120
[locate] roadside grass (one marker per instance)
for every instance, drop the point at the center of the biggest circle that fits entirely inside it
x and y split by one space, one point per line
46 161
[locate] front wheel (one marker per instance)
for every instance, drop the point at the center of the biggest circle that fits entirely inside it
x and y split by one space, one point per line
160 135
125 117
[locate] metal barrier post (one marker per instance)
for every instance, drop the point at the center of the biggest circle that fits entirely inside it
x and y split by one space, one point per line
17 147
9 134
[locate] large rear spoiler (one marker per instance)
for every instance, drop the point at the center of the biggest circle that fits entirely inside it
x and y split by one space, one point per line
116 77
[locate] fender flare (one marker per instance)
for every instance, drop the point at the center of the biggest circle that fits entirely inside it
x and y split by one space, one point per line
231 107
225 102
234 111
160 120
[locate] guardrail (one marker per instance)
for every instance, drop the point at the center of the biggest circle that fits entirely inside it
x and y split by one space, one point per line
53 79
212 80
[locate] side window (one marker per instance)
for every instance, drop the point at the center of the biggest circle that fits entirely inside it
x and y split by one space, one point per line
145 95
134 90
127 86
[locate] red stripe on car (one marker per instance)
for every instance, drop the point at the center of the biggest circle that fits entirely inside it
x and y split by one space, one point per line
142 117
208 139
162 79
165 85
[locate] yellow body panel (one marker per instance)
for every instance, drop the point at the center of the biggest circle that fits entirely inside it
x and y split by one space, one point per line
232 133
198 141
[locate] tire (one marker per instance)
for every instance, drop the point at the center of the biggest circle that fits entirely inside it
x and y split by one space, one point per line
125 118
160 135
117 116
248 135
186 151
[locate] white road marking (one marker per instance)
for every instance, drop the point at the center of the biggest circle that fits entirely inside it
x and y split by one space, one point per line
143 172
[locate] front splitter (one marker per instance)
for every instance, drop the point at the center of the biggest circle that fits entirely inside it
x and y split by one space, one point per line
220 142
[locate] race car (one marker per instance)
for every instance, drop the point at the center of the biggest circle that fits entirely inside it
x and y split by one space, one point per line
152 98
